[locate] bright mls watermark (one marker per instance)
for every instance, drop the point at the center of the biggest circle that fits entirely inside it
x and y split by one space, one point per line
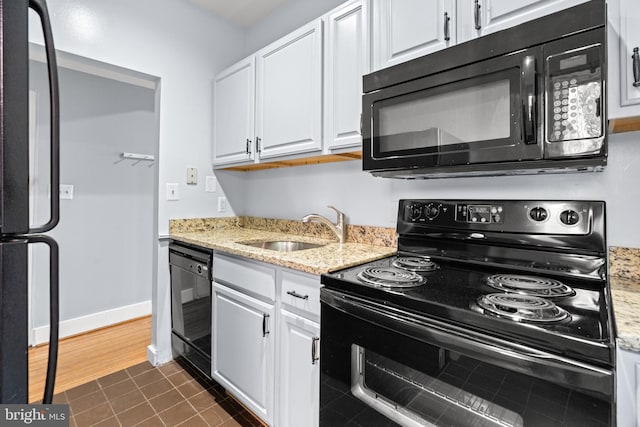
34 415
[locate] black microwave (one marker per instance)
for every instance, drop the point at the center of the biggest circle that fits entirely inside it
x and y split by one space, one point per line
528 99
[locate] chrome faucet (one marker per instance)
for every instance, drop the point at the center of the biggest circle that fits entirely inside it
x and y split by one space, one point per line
338 228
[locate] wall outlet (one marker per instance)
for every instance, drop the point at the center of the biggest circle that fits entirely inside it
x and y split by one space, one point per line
222 204
192 176
66 192
172 191
210 184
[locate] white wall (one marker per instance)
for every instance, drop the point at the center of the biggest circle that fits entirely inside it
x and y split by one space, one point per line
185 47
294 192
175 41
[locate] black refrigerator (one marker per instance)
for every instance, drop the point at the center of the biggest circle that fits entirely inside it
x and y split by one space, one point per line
16 234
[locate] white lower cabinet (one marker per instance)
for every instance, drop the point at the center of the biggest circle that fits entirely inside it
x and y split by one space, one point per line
299 371
628 388
243 348
261 311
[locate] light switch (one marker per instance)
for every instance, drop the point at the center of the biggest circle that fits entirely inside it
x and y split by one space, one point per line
192 176
172 191
210 184
66 192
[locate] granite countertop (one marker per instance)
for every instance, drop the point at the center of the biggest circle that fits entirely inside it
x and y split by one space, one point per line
624 281
366 244
330 257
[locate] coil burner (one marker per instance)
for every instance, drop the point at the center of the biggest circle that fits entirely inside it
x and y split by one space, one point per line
413 263
522 308
530 285
390 277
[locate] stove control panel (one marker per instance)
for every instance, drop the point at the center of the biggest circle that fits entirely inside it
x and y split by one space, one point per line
504 216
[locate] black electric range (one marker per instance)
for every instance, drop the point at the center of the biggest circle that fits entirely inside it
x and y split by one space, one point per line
519 286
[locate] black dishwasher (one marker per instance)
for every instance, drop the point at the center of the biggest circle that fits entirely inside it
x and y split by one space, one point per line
190 270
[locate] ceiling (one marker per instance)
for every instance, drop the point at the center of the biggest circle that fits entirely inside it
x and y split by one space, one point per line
244 13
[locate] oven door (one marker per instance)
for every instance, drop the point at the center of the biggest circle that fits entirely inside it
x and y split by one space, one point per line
386 367
485 112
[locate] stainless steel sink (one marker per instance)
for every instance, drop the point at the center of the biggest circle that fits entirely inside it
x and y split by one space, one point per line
282 245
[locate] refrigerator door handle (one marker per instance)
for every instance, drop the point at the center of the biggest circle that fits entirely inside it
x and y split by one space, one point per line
54 312
40 7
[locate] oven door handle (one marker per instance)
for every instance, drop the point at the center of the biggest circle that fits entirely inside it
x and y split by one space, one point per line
489 349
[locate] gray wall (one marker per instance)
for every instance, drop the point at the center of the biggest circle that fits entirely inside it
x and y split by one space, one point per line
105 233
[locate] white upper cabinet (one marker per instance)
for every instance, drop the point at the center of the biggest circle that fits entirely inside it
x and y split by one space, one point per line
624 38
347 59
289 94
482 17
234 112
407 29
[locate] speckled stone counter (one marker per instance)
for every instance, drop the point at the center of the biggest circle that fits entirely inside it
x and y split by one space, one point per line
624 280
363 244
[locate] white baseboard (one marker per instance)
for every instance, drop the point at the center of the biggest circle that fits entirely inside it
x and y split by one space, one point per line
93 321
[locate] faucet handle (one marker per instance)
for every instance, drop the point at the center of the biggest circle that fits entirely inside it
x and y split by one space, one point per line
340 214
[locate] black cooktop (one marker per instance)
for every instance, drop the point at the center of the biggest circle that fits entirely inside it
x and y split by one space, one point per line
451 292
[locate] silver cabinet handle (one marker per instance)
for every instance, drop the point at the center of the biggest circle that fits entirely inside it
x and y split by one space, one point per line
446 26
258 148
265 325
248 147
636 67
314 350
476 15
297 295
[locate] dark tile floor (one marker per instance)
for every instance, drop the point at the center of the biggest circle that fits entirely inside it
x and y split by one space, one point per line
169 395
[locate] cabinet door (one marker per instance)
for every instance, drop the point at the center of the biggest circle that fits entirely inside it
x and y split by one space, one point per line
346 61
289 97
407 29
243 350
628 387
629 40
299 371
496 15
234 103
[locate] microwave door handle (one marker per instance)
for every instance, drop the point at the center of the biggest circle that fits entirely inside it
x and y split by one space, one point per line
54 312
528 91
40 7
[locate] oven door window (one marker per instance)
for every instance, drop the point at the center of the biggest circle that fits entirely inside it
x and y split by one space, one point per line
377 376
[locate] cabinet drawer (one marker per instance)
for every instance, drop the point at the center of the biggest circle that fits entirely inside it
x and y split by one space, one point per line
301 293
253 278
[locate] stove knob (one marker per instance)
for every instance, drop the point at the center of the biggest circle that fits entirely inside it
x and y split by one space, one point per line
569 217
415 212
432 210
538 214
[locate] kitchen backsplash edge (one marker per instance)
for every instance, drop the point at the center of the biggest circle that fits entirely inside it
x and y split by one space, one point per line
371 235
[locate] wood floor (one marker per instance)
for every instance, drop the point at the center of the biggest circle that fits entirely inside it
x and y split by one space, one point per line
87 357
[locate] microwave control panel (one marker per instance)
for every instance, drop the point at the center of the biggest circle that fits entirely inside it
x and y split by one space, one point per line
574 95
